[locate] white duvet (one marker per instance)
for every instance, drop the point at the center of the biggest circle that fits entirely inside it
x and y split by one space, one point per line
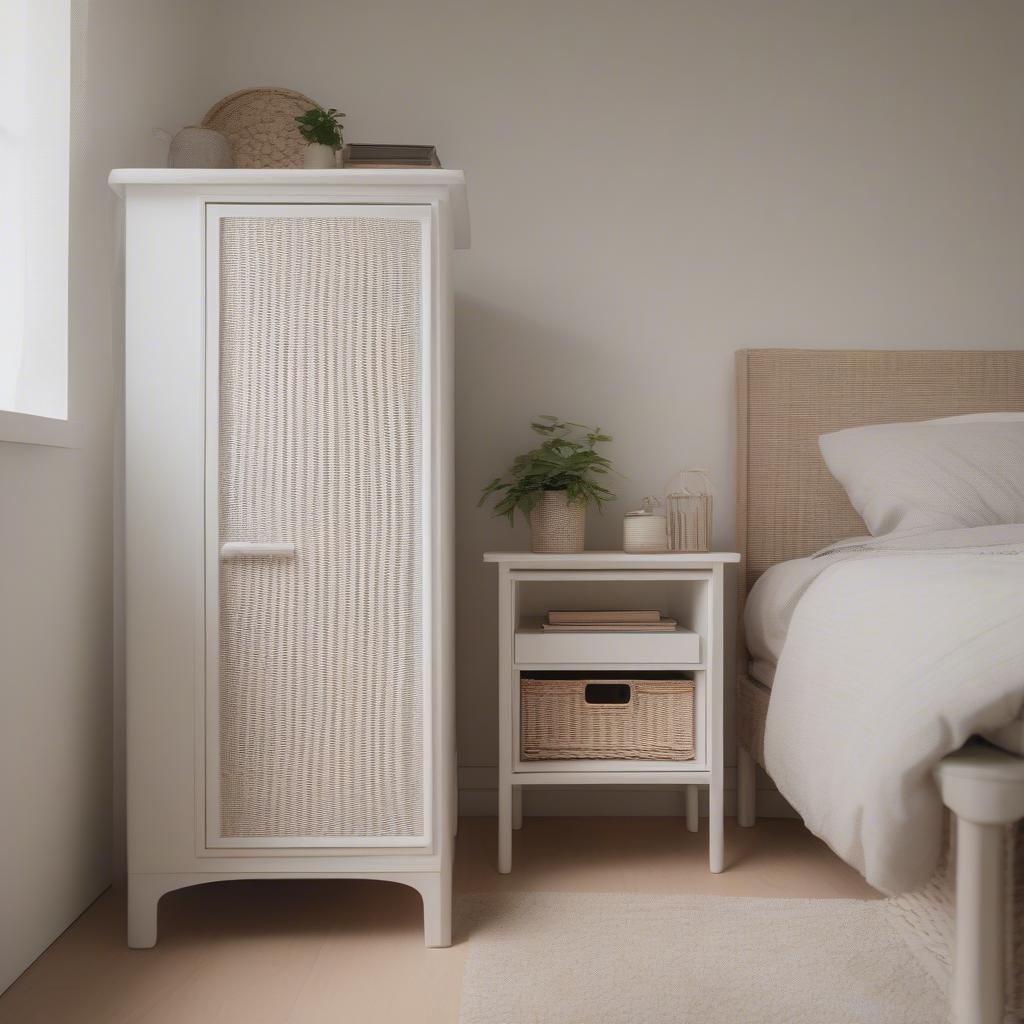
896 650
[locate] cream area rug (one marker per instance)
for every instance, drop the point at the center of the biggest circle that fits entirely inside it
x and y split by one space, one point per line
601 958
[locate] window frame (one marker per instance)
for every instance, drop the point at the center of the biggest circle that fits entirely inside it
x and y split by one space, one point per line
26 426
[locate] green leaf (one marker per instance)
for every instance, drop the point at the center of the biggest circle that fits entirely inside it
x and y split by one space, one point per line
318 125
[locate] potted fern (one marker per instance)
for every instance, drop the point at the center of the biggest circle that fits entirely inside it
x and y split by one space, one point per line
552 485
322 131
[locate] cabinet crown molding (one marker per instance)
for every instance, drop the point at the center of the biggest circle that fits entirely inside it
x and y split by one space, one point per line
369 184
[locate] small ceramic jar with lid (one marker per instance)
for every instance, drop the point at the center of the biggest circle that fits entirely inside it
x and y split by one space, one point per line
645 531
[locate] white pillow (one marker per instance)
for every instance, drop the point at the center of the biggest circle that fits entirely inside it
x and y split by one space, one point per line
934 475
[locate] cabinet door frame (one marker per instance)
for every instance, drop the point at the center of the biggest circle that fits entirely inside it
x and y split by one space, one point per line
209 727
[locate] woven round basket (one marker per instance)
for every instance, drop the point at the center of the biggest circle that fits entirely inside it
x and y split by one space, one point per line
260 124
556 526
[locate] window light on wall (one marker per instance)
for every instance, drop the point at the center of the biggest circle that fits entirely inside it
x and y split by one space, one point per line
35 80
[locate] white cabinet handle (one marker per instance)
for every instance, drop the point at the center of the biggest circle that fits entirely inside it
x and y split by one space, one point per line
253 549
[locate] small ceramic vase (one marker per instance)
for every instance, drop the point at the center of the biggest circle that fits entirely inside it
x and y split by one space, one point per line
319 157
199 147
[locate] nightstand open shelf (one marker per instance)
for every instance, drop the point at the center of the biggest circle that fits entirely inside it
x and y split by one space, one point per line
686 587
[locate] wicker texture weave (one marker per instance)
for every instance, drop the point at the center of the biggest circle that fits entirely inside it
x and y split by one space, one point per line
320 672
788 504
260 125
556 525
558 724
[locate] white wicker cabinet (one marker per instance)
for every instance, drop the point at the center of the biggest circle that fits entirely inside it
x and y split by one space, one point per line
288 529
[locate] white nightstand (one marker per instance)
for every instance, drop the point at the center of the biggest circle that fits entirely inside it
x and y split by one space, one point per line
688 588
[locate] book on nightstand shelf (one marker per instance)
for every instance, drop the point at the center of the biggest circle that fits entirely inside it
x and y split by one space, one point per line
567 618
621 621
661 626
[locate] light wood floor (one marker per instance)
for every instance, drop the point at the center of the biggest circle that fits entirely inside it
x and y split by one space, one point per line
313 952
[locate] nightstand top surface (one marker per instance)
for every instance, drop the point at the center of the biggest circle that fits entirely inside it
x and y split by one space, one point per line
611 559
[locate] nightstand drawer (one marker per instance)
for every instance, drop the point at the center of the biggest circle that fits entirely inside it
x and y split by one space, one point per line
536 647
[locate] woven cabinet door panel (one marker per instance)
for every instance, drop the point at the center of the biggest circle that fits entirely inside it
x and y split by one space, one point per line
321 654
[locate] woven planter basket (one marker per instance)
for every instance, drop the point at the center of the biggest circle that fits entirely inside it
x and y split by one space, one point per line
656 723
556 526
260 125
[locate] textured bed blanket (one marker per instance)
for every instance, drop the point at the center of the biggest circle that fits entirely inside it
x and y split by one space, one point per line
898 650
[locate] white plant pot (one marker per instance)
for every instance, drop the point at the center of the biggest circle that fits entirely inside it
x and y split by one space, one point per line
319 157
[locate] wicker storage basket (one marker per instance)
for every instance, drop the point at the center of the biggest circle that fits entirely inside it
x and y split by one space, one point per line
628 719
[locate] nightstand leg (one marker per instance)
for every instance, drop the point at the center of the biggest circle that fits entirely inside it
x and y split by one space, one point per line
517 807
504 828
716 825
692 808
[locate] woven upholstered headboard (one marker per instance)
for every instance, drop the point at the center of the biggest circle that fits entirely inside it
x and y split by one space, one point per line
787 503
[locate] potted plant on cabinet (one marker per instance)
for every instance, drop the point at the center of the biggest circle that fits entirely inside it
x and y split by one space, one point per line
322 131
553 484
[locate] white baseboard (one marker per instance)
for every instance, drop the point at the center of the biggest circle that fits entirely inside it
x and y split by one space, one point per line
478 797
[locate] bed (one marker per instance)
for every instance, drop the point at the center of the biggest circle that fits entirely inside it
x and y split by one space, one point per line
789 506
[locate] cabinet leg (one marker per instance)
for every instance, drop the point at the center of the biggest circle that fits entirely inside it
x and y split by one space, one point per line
436 890
517 807
504 827
978 955
692 808
746 788
716 825
144 892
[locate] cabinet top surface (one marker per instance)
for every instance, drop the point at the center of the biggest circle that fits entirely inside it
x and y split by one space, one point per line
376 184
121 176
611 559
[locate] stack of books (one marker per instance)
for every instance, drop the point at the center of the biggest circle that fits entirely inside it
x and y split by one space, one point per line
621 621
365 154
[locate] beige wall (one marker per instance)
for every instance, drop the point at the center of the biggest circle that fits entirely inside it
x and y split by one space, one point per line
60 731
655 184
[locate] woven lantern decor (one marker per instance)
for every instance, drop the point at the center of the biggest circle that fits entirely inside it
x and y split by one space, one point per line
689 503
